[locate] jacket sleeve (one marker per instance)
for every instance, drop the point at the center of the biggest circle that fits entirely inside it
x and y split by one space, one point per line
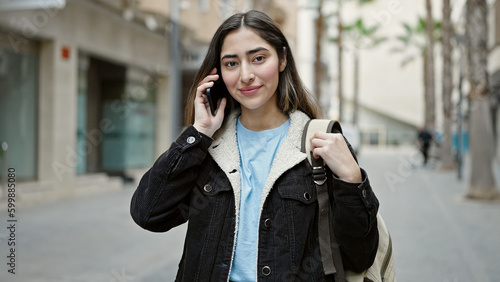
161 201
355 221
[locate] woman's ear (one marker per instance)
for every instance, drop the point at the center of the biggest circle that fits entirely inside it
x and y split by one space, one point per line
283 60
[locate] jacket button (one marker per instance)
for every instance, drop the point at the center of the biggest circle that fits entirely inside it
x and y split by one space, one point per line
191 140
268 223
307 196
207 188
364 193
266 270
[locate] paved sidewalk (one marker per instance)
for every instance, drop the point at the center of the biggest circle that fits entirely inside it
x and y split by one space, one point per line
438 234
87 239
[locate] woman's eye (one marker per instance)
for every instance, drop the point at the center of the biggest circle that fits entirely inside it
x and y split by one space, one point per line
230 64
259 58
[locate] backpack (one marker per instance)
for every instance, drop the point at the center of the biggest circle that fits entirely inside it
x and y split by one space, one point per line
382 269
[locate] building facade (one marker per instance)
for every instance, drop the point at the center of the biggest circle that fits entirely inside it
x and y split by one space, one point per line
86 86
84 96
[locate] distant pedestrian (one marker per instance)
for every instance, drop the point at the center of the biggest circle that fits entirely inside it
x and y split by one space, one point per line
425 139
239 179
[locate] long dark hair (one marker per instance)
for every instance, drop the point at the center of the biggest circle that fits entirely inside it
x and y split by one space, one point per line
292 95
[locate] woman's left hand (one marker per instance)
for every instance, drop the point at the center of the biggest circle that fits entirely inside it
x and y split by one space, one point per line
334 151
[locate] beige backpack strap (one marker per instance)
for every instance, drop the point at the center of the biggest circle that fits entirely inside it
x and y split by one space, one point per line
383 268
314 125
329 248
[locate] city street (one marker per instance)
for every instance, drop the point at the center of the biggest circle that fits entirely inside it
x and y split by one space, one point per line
92 91
438 235
88 239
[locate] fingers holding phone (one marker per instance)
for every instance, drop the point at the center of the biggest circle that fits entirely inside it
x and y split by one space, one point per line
216 93
207 118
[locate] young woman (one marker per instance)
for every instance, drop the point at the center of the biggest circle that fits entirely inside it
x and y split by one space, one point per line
239 178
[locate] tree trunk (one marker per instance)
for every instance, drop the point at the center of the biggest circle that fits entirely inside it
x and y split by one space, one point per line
318 68
447 157
425 77
482 181
430 107
340 54
355 114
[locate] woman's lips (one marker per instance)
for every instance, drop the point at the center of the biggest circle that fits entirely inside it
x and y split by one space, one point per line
250 90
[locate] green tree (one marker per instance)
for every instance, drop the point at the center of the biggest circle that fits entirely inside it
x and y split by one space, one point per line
430 85
340 64
447 156
320 26
318 66
360 37
414 44
482 181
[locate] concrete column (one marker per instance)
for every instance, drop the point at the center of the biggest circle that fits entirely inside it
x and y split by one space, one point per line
164 121
57 157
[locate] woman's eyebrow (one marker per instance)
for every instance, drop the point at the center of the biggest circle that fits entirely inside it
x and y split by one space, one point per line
249 52
228 56
256 50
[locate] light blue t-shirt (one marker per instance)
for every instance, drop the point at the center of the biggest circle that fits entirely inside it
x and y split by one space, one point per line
257 152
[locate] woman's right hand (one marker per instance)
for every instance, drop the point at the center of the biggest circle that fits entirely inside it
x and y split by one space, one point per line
204 121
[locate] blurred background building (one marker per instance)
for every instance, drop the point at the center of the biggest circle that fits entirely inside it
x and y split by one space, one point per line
92 89
86 85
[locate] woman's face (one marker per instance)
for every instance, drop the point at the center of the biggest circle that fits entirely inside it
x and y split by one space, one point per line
250 68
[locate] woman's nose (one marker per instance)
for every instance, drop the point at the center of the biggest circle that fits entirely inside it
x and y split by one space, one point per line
246 75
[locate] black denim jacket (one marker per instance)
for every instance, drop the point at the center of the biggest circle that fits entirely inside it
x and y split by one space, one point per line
187 183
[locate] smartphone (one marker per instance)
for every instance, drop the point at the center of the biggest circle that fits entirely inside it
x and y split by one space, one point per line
215 93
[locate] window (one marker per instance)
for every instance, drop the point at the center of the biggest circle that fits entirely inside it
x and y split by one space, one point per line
19 106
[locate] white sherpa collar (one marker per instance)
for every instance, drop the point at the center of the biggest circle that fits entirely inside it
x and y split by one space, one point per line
289 153
224 151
